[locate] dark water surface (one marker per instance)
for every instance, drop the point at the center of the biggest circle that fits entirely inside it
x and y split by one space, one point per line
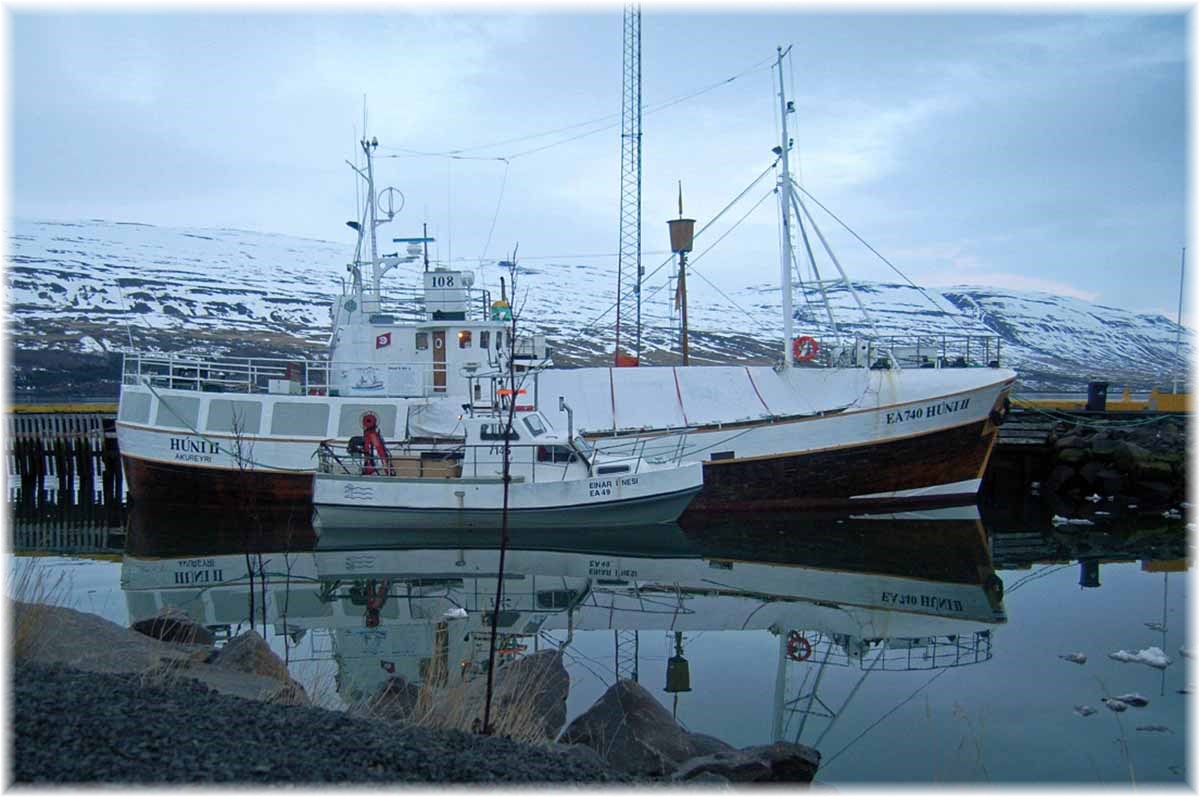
914 647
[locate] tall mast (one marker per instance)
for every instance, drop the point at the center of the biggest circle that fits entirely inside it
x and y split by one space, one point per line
629 258
376 267
785 204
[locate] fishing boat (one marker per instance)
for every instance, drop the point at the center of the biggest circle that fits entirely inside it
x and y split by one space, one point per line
839 421
512 469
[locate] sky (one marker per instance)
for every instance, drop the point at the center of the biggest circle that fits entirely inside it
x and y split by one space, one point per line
1043 151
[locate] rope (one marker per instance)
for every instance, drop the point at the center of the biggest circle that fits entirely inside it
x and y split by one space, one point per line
1099 425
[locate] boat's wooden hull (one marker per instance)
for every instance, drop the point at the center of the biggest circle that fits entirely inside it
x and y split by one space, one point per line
938 468
941 467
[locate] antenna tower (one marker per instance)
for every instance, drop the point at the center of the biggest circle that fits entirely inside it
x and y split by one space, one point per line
629 259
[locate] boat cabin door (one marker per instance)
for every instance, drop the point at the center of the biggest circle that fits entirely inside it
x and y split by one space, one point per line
439 361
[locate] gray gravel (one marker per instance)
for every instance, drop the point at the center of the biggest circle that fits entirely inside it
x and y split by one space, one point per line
70 726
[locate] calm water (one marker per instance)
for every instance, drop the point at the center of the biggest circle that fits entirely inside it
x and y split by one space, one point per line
927 646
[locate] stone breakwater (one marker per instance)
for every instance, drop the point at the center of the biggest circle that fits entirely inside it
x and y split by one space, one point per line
1146 463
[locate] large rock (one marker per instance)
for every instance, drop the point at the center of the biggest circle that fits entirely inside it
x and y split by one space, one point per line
174 625
248 652
56 635
782 762
1129 455
635 733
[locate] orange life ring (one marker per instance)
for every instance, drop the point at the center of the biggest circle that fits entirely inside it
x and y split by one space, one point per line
798 648
804 348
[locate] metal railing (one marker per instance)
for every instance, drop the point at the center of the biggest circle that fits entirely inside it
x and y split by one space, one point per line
277 375
525 461
910 351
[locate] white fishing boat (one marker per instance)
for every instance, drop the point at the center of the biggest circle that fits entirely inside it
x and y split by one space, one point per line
838 422
552 480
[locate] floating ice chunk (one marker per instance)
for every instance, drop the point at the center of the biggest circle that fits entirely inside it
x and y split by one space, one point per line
1102 513
1133 699
455 614
1187 654
1151 657
1156 626
1094 498
1115 705
1059 520
1085 711
1076 658
1172 514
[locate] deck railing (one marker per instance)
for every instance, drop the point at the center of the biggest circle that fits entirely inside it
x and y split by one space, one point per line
278 375
910 351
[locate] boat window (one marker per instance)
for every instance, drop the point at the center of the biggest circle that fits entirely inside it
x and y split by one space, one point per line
464 339
495 431
241 417
350 420
555 454
178 412
293 417
583 446
499 340
422 341
135 407
534 424
556 598
605 470
485 339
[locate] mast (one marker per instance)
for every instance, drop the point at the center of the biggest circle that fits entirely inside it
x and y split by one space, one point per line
785 204
376 271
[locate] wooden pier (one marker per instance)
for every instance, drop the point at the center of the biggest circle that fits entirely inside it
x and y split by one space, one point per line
64 453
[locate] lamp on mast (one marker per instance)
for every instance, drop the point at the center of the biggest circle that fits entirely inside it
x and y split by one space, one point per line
682 231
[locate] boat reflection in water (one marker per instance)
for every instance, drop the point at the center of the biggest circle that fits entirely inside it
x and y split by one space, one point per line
910 591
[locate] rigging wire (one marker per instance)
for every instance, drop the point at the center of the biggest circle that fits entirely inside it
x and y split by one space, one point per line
714 243
875 252
606 119
887 714
589 325
495 215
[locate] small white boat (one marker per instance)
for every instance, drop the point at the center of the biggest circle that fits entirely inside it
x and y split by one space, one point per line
556 480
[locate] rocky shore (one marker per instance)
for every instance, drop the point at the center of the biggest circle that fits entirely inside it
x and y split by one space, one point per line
96 703
71 726
1142 464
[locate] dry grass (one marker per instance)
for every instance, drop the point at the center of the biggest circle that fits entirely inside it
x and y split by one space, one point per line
32 590
516 704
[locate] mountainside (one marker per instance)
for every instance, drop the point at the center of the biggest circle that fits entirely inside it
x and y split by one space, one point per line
80 291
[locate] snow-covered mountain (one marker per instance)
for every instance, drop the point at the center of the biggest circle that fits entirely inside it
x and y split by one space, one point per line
80 291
